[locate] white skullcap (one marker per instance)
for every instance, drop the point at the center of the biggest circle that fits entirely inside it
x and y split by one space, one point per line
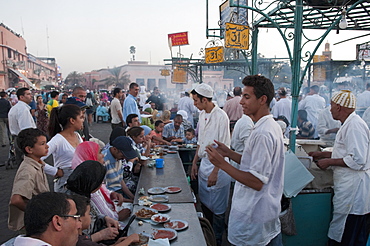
204 90
183 113
345 99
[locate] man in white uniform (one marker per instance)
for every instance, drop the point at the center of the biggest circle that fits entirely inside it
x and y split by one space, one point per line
283 106
214 184
327 127
20 118
350 161
186 103
313 104
254 214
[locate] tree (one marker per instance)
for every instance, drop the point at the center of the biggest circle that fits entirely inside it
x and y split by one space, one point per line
132 52
119 77
74 79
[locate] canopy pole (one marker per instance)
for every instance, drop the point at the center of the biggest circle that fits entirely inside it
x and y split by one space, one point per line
296 70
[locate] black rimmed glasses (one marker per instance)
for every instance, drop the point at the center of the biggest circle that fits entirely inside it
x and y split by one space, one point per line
75 216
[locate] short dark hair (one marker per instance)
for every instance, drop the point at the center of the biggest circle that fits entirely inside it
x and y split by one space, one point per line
2 93
41 209
190 130
81 203
237 91
262 86
315 88
116 91
135 131
54 94
133 85
28 137
158 122
178 116
282 91
193 92
302 114
155 88
21 91
130 117
77 88
187 93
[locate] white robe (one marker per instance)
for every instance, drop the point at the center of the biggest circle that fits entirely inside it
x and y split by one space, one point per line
351 184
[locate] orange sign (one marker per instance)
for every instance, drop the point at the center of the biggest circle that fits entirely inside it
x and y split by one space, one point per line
178 39
179 75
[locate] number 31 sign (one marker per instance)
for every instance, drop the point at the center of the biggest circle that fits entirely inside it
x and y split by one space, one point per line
237 36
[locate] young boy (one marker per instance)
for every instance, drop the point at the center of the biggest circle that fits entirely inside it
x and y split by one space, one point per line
189 137
30 179
156 134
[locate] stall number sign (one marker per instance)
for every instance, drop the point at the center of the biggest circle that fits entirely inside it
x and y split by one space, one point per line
236 36
215 54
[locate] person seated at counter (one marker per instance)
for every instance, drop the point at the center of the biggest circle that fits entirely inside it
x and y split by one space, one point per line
132 120
190 137
174 132
306 129
156 134
121 149
102 111
141 142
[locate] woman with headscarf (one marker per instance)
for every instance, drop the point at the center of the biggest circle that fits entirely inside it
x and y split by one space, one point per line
102 200
86 179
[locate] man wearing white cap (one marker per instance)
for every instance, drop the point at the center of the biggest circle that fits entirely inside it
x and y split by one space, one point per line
350 161
214 183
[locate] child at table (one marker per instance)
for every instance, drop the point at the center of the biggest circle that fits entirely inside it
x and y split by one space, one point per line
30 179
190 137
156 134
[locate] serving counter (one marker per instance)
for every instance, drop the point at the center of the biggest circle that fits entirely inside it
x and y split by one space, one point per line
172 174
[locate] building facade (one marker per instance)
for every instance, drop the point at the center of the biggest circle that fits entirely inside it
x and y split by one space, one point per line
21 69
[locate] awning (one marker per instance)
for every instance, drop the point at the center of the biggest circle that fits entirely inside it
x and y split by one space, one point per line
16 72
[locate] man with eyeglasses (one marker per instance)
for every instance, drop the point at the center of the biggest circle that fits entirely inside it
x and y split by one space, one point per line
50 219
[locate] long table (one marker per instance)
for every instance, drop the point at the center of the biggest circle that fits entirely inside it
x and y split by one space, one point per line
172 174
182 203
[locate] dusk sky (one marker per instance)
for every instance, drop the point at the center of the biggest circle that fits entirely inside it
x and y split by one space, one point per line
85 35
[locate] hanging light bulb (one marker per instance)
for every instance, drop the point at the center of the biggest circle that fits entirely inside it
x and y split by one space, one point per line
343 24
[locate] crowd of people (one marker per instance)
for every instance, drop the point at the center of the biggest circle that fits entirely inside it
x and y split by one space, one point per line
240 148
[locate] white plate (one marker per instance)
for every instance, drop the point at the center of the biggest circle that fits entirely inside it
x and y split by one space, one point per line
144 158
160 218
156 190
165 229
159 198
168 207
177 225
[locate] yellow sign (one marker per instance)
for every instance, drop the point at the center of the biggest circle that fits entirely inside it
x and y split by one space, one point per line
319 71
179 75
236 36
165 72
215 54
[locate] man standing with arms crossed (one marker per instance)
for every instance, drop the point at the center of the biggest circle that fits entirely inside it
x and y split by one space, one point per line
214 184
116 109
130 103
20 118
254 214
350 161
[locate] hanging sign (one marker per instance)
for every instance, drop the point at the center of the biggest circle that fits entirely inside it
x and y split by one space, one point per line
178 39
215 54
179 75
236 36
